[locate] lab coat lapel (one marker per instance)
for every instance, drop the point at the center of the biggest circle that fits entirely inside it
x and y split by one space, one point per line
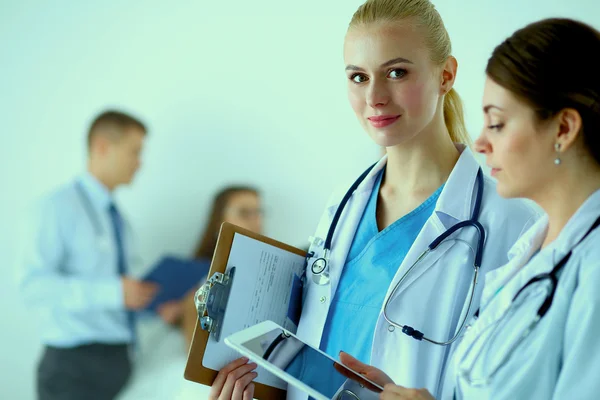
455 204
348 224
341 242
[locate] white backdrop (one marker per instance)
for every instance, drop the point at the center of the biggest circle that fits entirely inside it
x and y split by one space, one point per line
250 92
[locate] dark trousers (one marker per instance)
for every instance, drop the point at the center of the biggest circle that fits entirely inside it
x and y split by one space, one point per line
90 372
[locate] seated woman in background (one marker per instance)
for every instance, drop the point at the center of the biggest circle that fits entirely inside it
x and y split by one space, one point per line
239 205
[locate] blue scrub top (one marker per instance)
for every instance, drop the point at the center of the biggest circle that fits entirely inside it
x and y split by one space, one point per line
372 263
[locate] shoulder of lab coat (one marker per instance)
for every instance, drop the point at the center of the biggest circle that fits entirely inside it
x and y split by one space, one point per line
579 374
578 377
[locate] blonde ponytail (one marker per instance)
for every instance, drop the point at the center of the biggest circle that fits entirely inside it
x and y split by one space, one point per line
454 118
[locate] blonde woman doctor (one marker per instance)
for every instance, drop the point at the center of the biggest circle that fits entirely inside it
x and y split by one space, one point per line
364 294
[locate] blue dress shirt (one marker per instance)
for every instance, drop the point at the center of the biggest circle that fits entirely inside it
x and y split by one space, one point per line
70 273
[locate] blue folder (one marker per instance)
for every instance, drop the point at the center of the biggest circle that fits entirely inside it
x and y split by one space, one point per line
176 277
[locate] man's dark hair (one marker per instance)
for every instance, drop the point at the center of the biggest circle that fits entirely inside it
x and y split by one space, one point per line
113 124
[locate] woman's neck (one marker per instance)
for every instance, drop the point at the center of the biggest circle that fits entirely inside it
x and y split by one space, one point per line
414 171
421 165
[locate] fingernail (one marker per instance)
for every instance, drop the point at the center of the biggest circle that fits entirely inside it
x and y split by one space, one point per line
245 359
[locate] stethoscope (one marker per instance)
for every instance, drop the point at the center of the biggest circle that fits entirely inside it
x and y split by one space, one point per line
102 239
320 267
550 279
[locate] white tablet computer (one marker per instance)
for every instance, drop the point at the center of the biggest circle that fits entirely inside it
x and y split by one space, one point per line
273 348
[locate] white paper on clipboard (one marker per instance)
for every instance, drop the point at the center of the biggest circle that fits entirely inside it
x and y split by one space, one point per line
262 289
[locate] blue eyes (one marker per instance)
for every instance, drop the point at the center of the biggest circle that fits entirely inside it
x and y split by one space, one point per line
393 74
358 78
399 73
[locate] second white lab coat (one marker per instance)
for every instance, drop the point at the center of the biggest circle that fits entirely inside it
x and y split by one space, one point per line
560 358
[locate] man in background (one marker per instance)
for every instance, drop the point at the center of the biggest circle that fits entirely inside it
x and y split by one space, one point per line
75 271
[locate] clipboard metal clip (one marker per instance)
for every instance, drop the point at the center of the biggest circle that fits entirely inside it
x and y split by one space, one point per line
211 301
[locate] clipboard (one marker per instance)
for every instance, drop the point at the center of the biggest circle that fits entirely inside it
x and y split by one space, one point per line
217 290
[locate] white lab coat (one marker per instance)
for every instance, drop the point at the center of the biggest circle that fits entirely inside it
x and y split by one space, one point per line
434 300
560 359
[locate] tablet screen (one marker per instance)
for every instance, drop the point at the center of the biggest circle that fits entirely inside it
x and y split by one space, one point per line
303 362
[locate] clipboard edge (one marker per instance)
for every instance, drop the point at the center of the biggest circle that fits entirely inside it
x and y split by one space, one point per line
195 371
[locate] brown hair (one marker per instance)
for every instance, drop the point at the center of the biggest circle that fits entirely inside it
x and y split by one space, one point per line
113 124
208 242
423 12
551 65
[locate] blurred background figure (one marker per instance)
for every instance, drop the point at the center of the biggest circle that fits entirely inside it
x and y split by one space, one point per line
75 268
238 205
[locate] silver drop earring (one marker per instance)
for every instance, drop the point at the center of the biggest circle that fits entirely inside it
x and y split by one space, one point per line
557 160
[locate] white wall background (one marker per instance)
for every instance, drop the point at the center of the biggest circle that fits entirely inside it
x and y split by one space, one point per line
233 91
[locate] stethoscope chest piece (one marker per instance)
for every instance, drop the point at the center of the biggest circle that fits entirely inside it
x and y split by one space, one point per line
319 266
320 269
320 273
